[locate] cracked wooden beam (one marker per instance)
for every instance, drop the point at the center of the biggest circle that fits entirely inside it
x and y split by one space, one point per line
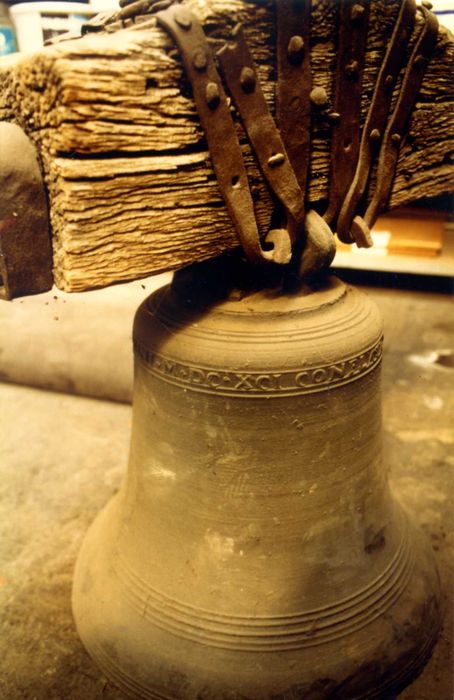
130 184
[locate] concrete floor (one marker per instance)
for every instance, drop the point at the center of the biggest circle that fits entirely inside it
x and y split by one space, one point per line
62 457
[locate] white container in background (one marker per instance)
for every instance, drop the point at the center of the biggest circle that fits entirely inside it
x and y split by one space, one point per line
37 21
104 5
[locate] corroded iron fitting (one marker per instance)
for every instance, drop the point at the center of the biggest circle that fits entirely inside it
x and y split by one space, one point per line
283 149
282 146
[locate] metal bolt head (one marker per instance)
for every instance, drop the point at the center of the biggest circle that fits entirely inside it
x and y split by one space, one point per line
199 59
275 160
389 80
318 97
247 79
183 18
255 193
352 69
295 49
420 61
396 139
374 135
334 117
212 95
357 12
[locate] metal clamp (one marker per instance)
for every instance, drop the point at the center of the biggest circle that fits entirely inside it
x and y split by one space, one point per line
376 122
223 143
345 118
294 102
241 78
395 130
284 155
293 106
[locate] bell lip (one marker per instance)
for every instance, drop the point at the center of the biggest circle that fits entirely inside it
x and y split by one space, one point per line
100 620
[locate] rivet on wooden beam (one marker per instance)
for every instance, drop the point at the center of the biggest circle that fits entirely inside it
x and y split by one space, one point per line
389 80
318 97
199 60
183 18
357 12
212 95
275 160
295 49
420 61
247 79
351 69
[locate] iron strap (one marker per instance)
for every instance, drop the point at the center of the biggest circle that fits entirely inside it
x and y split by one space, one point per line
242 81
345 133
376 121
215 117
293 107
395 130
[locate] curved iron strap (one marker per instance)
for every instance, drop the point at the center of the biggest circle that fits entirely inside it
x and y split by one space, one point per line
320 245
345 119
241 78
395 129
376 122
223 143
293 102
294 82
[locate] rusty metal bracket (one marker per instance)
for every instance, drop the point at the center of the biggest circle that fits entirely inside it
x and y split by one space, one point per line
376 121
293 106
345 118
223 143
294 101
395 129
240 75
320 245
25 250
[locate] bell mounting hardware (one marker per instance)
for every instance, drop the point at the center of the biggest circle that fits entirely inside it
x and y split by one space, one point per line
364 149
284 153
216 119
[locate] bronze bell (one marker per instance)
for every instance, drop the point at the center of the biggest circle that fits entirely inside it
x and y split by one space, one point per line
255 550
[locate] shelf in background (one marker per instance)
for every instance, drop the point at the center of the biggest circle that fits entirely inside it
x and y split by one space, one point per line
414 246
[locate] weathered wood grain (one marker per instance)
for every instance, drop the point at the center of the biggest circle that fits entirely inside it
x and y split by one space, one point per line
131 187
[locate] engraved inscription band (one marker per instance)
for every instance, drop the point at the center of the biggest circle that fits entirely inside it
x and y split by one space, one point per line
261 384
